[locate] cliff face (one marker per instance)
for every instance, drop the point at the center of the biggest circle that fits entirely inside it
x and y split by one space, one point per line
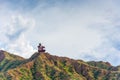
43 66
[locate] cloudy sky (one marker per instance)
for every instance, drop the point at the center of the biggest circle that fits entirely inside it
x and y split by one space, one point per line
79 29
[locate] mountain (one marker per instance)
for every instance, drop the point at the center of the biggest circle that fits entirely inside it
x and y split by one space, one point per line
8 61
43 66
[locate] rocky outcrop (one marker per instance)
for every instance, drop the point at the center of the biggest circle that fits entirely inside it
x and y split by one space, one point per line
2 56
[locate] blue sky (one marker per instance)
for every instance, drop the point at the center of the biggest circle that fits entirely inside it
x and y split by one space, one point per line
79 29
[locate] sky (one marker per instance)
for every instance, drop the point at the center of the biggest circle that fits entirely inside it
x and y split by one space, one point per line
78 29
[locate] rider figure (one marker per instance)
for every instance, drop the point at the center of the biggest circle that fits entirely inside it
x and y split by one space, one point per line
41 48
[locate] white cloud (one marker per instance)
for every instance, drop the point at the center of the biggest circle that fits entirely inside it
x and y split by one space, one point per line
78 32
12 33
21 47
83 30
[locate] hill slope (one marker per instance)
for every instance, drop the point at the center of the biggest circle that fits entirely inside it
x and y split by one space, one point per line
43 66
8 61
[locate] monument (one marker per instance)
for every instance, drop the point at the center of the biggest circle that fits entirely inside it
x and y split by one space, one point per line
41 48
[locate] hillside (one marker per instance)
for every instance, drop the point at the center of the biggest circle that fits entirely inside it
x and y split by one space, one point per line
43 66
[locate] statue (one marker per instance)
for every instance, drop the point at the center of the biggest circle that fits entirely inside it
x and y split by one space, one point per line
41 48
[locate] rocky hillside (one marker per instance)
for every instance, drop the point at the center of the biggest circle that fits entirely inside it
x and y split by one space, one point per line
43 66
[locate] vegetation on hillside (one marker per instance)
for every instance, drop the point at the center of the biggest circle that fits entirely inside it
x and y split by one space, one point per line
43 66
